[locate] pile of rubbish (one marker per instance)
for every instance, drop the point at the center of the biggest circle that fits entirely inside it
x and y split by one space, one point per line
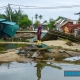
32 51
44 52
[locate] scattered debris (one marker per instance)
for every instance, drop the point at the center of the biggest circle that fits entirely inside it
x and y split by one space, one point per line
36 54
69 43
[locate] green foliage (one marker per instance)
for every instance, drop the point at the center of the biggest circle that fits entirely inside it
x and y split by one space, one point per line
45 21
40 17
36 23
2 47
79 19
16 16
20 45
2 16
24 22
36 16
51 23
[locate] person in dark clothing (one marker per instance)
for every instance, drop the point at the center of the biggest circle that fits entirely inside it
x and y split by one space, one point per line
39 31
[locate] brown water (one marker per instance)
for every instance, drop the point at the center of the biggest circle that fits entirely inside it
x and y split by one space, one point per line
36 71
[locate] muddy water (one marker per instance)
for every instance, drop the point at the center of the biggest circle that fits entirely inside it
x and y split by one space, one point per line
36 71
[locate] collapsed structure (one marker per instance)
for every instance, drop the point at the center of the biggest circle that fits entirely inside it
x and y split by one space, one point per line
7 28
68 26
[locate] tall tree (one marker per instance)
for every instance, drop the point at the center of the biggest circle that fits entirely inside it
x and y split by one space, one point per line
9 12
36 23
40 17
24 22
51 23
36 16
18 14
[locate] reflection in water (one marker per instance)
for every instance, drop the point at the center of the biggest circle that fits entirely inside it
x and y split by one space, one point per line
7 64
41 65
36 71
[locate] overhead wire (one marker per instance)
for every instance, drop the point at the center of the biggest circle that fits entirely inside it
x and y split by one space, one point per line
38 7
3 6
13 6
22 5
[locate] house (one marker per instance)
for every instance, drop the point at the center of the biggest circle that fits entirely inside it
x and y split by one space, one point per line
45 26
7 28
62 23
68 26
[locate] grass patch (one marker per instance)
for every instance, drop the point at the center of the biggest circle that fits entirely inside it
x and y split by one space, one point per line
1 40
20 45
2 47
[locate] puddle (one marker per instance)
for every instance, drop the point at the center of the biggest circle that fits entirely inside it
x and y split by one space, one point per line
36 71
73 58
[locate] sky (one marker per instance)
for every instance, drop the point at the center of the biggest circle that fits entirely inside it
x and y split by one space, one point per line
46 13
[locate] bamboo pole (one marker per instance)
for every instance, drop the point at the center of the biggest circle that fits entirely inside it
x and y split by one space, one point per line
48 47
27 43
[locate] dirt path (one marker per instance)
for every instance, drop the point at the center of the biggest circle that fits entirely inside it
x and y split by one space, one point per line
63 44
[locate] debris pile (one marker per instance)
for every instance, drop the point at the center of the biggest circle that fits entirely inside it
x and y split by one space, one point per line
43 52
32 51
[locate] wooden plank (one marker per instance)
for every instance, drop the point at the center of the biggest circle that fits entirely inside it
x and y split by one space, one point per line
30 31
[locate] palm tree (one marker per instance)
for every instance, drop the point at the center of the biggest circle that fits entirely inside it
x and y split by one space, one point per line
36 16
40 17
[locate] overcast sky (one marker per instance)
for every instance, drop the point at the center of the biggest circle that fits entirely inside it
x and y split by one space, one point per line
46 13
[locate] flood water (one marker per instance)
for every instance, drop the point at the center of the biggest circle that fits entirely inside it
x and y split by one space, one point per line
36 71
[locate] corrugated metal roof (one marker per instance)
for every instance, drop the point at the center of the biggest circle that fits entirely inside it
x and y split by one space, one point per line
2 20
8 22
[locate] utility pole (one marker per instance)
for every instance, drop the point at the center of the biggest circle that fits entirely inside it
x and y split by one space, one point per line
9 8
32 24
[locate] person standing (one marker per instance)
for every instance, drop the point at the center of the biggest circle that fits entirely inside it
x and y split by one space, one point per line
39 32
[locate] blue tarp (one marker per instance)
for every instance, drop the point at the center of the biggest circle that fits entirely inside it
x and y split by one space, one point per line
11 30
7 28
9 23
1 20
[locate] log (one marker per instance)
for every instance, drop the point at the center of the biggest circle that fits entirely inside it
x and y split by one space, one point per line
27 43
